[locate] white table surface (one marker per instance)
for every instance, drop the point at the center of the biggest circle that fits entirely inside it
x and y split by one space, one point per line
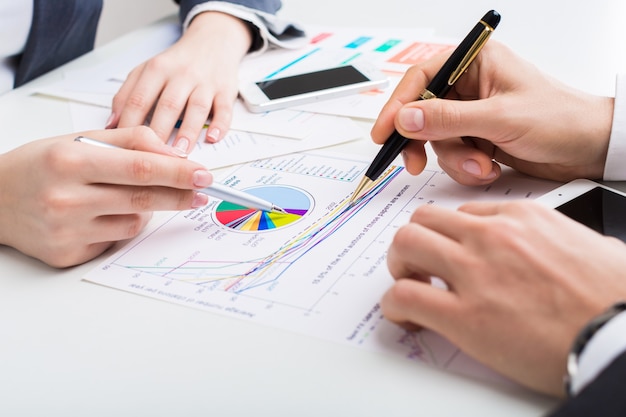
70 348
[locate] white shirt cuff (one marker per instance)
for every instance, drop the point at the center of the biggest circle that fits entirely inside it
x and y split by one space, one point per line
270 27
605 345
615 166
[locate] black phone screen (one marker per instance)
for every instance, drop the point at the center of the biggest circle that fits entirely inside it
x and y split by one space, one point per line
310 82
600 209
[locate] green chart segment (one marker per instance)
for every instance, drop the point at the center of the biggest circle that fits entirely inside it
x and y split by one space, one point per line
295 202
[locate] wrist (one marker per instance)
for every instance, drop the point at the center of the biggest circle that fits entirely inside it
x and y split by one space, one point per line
597 344
614 169
211 28
4 199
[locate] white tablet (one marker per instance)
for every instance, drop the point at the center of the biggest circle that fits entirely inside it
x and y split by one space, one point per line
597 206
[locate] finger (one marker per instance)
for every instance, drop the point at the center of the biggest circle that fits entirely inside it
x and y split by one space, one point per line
140 101
138 138
104 199
128 167
440 119
453 224
120 98
414 157
482 208
222 117
419 303
74 256
113 228
194 119
408 90
465 163
94 237
420 252
169 109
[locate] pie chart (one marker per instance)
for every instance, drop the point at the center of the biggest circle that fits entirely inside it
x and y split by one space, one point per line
295 202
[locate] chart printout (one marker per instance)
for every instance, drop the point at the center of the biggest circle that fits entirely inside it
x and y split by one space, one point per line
320 269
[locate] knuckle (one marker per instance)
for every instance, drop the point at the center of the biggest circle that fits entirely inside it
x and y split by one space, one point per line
142 170
135 225
142 133
137 101
170 103
157 65
199 104
58 159
448 116
142 198
183 200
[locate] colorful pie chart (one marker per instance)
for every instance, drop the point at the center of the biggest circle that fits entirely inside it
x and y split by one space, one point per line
295 202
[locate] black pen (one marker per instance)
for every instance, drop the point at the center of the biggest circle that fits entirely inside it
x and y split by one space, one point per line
440 85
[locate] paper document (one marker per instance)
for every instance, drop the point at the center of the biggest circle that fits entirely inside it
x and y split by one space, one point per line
392 50
319 270
307 130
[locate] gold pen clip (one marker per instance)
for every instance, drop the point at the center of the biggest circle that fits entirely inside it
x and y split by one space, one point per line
471 54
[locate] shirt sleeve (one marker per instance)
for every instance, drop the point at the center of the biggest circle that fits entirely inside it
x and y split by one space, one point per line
606 344
267 28
615 166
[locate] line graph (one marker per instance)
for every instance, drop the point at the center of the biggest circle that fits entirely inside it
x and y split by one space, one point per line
322 274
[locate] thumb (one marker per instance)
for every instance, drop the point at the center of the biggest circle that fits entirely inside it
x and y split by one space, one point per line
439 119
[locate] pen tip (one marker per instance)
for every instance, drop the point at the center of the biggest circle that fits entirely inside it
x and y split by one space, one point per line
359 189
278 210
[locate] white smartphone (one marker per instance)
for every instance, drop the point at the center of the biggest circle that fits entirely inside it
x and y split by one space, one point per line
309 87
595 205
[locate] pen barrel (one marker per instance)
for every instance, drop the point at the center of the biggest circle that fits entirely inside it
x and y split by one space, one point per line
463 55
238 197
440 85
389 151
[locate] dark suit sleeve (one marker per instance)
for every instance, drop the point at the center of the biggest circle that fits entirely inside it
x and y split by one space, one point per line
604 397
268 6
60 31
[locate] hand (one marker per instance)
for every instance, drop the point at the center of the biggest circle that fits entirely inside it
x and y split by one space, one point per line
522 281
197 75
65 202
502 110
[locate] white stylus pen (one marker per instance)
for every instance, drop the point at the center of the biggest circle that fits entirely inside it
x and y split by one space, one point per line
216 190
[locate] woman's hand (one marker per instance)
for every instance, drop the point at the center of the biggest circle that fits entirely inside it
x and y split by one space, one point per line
65 202
194 77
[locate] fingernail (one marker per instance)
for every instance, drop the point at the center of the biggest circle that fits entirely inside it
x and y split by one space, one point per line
199 200
182 144
491 175
411 119
472 167
202 178
109 122
213 135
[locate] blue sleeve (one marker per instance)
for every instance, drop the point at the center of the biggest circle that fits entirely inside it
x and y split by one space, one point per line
268 6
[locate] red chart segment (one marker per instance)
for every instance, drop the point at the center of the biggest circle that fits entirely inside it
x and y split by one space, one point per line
295 202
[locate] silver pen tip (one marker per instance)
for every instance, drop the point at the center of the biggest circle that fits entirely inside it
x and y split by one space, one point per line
278 210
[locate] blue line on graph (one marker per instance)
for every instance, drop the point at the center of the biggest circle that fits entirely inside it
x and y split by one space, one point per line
278 71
